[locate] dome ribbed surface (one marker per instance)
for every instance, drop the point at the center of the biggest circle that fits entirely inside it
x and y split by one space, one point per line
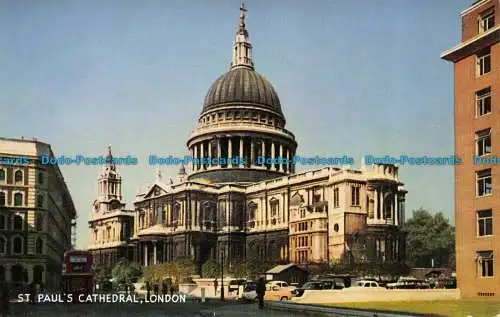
242 85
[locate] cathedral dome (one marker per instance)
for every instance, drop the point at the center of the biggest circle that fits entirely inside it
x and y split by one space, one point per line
242 85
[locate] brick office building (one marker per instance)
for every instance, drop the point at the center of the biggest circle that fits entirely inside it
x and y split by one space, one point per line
477 124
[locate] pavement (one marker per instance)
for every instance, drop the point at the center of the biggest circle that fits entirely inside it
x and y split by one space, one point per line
191 309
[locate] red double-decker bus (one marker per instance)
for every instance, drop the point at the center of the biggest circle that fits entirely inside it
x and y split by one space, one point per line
78 272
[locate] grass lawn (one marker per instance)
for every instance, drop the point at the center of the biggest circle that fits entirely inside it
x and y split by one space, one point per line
452 308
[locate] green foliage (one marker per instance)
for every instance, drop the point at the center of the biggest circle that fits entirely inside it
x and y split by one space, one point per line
102 273
125 273
430 236
210 269
179 271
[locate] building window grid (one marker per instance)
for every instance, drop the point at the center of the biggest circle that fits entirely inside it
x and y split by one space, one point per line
483 142
18 176
485 263
483 62
485 222
484 183
336 200
355 196
483 102
486 21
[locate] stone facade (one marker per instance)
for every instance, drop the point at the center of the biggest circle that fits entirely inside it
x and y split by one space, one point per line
37 215
111 224
231 203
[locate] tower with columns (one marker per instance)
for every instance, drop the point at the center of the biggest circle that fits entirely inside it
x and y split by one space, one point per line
110 224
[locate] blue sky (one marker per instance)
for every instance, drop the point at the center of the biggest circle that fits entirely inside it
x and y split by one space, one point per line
354 78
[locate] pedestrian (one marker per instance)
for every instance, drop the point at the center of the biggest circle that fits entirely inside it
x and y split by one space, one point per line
261 292
4 299
171 289
164 288
216 284
156 289
148 290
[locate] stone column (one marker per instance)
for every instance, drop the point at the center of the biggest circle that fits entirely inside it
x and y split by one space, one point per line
396 210
241 152
195 157
209 155
154 253
273 156
375 204
382 216
218 152
145 254
288 164
252 152
263 145
281 158
202 156
229 152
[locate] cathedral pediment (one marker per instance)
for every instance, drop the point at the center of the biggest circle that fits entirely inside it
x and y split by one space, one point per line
156 190
296 199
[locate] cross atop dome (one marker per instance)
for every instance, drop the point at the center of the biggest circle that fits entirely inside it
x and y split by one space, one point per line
242 49
242 16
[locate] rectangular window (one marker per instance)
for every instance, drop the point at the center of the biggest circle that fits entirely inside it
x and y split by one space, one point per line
355 196
483 102
483 62
485 263
484 183
483 142
336 202
485 222
486 21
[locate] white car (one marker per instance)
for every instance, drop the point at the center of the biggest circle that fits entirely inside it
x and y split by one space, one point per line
281 284
363 283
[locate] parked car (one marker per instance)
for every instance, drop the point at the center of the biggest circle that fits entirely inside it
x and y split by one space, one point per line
281 284
364 283
312 285
274 292
234 285
408 283
249 292
331 283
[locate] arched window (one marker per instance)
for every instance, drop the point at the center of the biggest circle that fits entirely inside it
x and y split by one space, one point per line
39 246
17 245
2 198
18 222
2 175
18 176
18 199
3 245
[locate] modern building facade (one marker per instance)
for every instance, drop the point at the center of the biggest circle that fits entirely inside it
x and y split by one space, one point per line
229 203
37 215
110 223
477 124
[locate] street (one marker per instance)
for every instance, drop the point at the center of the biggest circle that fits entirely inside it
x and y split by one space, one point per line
192 309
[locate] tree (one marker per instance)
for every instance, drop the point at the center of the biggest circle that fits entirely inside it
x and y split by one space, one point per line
210 269
125 273
430 240
102 273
